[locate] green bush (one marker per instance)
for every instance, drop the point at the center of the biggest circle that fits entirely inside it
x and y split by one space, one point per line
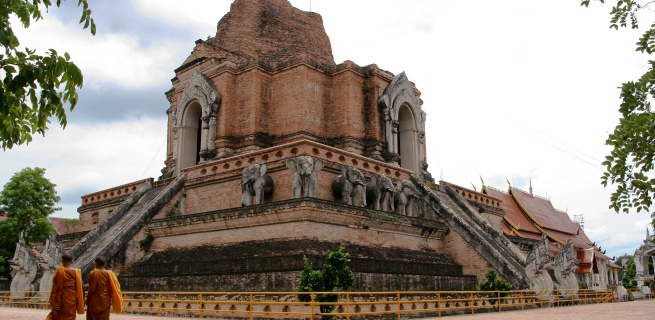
335 275
494 284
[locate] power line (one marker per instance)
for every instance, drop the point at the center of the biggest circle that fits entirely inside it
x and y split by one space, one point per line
153 159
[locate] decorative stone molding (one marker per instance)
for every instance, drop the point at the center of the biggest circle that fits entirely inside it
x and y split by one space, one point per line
218 169
112 193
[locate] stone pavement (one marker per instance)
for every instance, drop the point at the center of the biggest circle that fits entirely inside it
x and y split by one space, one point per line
633 310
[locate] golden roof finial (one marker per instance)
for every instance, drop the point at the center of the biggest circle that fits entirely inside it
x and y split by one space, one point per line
482 180
474 188
531 186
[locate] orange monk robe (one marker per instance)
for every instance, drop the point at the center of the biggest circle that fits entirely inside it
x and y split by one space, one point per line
104 291
67 293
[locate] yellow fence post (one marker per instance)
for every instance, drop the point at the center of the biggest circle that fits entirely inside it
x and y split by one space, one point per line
472 302
348 306
201 306
398 296
499 301
158 304
439 303
250 306
312 303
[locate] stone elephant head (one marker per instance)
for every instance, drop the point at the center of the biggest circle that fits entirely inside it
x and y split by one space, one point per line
351 183
381 193
304 175
255 183
407 198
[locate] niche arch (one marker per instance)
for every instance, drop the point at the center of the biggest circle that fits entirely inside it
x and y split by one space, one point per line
404 123
194 123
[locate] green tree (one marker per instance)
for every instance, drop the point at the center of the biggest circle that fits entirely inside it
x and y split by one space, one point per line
631 163
492 283
26 200
335 275
34 87
629 277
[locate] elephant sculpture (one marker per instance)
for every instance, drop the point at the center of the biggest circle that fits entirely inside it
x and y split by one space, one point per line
304 175
381 193
350 184
406 199
255 183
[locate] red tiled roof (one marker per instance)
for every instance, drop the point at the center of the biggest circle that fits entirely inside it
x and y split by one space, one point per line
543 211
3 218
578 242
512 211
601 255
59 224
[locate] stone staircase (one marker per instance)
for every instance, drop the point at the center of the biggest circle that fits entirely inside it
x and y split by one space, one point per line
114 232
478 232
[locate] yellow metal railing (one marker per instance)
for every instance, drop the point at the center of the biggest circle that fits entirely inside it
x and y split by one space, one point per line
250 305
163 182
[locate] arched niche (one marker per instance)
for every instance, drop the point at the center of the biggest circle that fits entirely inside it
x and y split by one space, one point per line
190 135
194 123
407 139
404 123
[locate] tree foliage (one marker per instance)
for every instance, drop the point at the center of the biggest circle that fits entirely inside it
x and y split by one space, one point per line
26 201
34 87
492 283
630 164
335 275
629 279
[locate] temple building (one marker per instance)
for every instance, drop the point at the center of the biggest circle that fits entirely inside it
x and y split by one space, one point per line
276 152
645 259
528 217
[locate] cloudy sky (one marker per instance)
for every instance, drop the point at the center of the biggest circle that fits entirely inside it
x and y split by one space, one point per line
513 90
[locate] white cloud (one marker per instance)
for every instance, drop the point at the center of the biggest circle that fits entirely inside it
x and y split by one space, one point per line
105 58
203 15
92 157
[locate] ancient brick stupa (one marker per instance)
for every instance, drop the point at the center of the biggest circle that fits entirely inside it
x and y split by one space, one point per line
274 153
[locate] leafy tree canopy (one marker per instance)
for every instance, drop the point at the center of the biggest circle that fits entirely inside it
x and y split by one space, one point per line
631 163
335 275
26 201
34 87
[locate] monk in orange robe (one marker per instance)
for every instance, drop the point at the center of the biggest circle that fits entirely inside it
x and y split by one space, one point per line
104 291
67 295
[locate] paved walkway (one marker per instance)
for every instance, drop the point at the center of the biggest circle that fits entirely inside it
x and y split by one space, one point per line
633 310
